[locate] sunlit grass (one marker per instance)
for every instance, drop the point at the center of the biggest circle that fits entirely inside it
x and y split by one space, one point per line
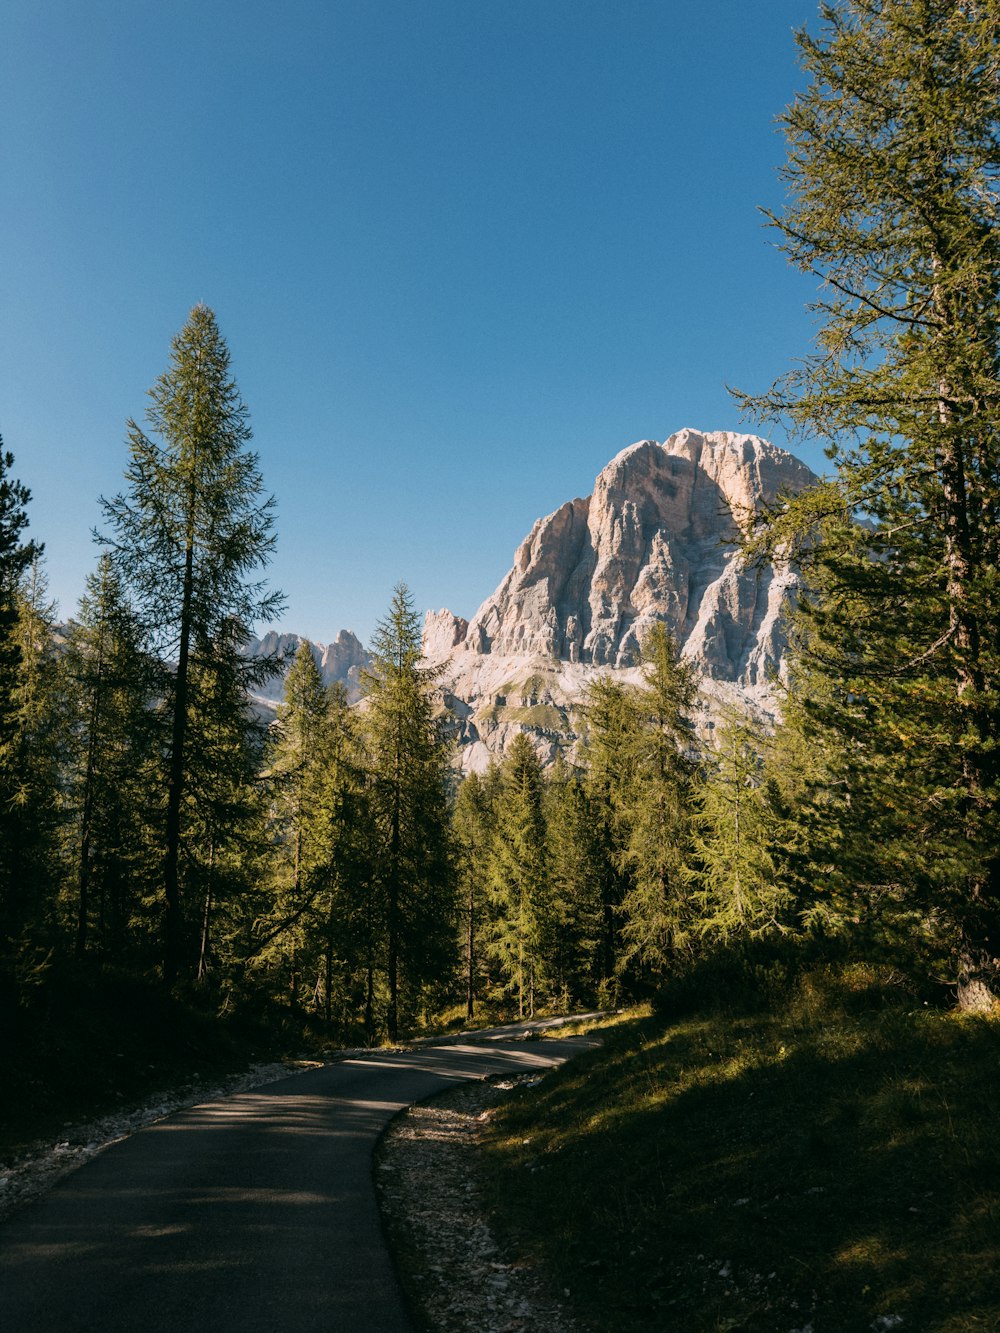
833 1159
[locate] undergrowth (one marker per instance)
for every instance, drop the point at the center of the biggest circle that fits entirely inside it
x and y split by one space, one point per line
90 1041
814 1148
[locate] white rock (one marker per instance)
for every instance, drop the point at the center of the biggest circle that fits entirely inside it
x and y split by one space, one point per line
656 541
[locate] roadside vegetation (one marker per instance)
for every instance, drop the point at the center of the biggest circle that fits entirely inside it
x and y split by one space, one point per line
817 1149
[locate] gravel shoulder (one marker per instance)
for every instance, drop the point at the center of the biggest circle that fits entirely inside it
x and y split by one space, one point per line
456 1273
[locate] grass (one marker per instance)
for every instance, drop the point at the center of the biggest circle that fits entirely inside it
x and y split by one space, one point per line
540 717
828 1160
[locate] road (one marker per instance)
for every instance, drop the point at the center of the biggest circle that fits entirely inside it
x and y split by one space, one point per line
252 1214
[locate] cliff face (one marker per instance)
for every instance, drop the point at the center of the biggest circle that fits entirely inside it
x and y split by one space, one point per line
656 541
343 660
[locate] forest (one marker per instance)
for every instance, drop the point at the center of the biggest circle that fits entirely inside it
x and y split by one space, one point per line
331 871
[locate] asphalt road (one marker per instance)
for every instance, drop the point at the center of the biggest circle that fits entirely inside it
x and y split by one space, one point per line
253 1213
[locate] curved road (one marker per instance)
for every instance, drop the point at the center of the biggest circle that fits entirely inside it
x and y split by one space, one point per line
253 1213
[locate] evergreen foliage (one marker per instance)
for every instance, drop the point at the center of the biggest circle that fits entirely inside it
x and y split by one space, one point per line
893 167
16 558
519 878
610 756
410 813
573 925
738 891
472 834
319 926
654 909
187 537
31 782
111 684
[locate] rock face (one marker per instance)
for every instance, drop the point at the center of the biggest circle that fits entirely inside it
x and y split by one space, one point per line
343 660
656 541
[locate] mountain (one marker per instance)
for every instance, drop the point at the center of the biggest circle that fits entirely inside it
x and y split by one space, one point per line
657 540
343 660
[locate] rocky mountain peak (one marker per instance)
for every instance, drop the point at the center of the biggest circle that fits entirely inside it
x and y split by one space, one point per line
655 541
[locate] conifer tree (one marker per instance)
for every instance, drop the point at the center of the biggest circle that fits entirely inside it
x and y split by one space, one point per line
223 812
472 834
346 871
16 558
188 536
611 727
655 911
892 169
519 876
409 792
318 925
572 929
31 764
737 892
295 753
112 689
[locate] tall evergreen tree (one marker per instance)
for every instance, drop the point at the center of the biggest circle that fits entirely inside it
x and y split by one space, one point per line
187 537
893 166
410 804
16 558
472 834
112 688
611 726
519 876
738 891
32 761
572 928
319 923
655 911
295 751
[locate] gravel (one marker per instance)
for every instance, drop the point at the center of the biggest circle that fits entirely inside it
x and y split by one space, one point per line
458 1275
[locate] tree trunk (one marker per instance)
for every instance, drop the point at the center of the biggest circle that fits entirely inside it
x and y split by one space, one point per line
175 785
470 1000
206 916
392 911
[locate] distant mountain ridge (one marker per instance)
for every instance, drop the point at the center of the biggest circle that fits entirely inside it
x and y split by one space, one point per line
342 660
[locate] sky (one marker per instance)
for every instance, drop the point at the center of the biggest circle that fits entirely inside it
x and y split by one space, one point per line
462 252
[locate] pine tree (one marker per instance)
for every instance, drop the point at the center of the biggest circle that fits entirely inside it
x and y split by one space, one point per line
572 928
519 876
16 558
186 537
472 833
321 825
112 688
410 803
31 788
223 811
655 911
295 751
737 892
611 726
345 872
892 168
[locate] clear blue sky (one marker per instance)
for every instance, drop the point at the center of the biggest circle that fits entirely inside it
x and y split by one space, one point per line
463 251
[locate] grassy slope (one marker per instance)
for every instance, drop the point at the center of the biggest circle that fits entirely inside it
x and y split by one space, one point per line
832 1161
